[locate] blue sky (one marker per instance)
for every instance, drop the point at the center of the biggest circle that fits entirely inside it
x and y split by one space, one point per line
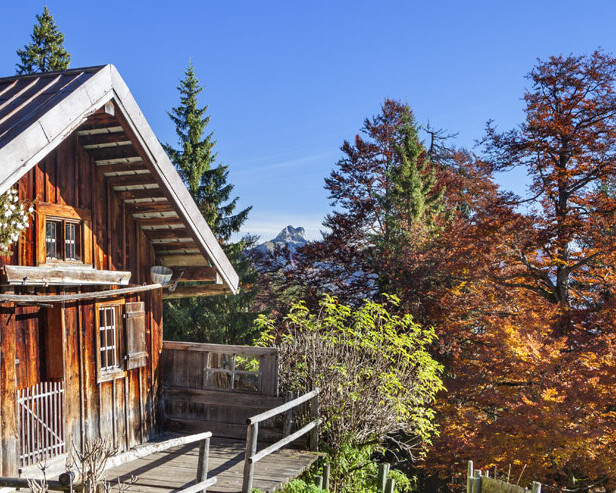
286 81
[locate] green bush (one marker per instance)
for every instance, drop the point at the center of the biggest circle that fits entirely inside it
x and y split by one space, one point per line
373 367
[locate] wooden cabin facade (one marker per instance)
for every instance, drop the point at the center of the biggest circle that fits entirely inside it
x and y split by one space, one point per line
80 318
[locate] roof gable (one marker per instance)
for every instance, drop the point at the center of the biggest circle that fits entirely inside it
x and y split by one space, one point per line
39 111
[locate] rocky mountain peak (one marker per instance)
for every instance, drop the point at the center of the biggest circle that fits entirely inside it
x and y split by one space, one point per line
291 235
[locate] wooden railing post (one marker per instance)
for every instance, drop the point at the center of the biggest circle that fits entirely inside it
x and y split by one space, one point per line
477 482
469 477
381 479
202 466
326 476
251 449
391 484
313 439
288 417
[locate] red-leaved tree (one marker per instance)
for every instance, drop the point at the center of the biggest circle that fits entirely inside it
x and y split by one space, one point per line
528 326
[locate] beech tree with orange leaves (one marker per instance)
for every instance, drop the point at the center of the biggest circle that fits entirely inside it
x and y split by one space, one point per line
528 328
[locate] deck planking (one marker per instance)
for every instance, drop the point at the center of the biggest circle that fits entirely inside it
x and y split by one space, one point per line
176 468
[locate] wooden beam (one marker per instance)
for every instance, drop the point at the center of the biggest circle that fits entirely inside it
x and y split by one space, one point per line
197 273
103 138
57 298
131 180
113 153
138 167
146 193
145 450
207 347
99 130
183 248
62 274
167 234
158 221
183 260
141 207
192 291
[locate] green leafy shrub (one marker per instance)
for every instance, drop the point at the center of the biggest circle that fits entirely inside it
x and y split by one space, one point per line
375 373
301 486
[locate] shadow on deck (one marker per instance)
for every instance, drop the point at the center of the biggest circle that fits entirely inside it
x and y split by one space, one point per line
175 469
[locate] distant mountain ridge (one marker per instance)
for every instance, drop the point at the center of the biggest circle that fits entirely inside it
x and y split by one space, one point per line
292 238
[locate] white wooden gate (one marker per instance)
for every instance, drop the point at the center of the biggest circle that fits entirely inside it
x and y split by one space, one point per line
40 410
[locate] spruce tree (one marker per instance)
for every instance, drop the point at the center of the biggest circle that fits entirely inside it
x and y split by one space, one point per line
414 194
222 319
46 51
195 161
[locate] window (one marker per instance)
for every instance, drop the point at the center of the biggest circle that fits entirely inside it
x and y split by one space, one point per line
63 234
51 239
63 239
108 333
121 339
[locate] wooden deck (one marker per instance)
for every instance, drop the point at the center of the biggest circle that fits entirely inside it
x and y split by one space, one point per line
176 468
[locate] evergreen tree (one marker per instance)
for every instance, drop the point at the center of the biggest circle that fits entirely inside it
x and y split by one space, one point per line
46 51
195 161
415 196
222 319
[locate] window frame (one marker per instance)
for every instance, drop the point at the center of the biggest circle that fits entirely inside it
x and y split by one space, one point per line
106 374
63 215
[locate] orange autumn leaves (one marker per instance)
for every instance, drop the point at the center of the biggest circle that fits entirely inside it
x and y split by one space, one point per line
526 319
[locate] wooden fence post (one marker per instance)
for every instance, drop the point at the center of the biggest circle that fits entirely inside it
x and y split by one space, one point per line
536 487
391 484
326 476
382 477
288 417
251 449
313 438
202 465
469 477
318 481
477 482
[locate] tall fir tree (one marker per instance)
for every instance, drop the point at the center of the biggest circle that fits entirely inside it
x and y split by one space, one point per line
46 52
195 161
223 319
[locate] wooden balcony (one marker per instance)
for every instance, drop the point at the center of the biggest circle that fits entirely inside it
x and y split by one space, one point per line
223 423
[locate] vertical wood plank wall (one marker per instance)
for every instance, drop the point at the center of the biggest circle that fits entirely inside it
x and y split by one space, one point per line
68 176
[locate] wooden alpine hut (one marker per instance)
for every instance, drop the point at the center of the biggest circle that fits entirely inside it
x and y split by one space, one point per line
80 315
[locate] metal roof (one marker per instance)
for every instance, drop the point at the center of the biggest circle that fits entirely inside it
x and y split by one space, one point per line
38 111
25 98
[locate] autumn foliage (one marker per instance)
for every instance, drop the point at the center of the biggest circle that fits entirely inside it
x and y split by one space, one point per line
520 290
528 327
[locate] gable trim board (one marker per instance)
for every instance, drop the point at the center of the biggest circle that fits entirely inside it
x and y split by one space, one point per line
41 129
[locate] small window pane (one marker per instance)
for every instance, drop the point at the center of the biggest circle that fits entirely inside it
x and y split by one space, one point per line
71 241
109 350
51 239
246 381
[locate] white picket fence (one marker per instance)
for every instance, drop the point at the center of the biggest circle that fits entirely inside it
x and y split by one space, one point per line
40 411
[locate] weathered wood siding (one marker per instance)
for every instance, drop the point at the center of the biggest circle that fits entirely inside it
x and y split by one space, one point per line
198 394
122 410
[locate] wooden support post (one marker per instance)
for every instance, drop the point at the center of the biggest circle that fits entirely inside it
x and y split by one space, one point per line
288 417
391 484
469 477
477 482
326 476
318 481
381 480
536 487
251 449
313 438
202 465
